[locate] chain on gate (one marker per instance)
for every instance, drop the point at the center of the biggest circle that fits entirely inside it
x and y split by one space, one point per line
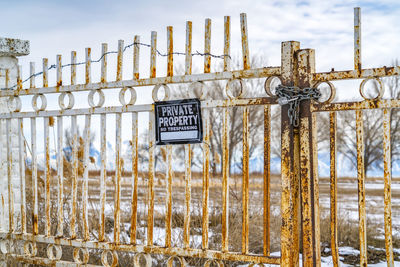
293 95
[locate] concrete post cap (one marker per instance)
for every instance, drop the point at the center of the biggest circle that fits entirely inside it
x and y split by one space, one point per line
13 47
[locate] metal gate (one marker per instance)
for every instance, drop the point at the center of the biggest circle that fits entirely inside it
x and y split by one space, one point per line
43 227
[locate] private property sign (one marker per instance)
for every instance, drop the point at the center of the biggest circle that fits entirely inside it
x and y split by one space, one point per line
178 122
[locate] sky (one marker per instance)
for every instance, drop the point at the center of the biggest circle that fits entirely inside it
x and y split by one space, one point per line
58 27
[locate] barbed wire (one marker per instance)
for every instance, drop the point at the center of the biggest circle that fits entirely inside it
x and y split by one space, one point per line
53 66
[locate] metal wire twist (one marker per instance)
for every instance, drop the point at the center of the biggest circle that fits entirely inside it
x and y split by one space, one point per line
53 66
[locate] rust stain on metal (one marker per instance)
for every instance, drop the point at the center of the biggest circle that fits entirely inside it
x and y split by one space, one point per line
150 196
88 72
188 48
118 171
153 54
267 179
357 41
333 189
134 177
225 180
170 49
188 181
245 182
206 178
136 50
387 160
45 72
362 219
47 176
227 43
104 49
73 67
59 71
207 46
120 58
245 42
168 198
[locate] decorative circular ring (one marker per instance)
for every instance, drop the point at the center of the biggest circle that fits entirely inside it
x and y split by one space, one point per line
256 264
217 263
85 255
91 96
132 100
228 88
61 102
332 91
156 88
145 256
381 88
42 99
181 260
50 252
268 83
114 258
199 85
30 248
5 246
14 104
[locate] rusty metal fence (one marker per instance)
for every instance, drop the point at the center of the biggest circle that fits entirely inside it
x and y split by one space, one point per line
22 239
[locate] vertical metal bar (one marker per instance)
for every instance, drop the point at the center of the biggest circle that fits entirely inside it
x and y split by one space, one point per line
267 179
169 174
362 220
245 42
290 174
104 49
10 177
136 50
188 190
103 174
227 43
308 164
225 180
7 78
150 213
357 40
19 79
207 46
387 172
134 176
73 67
34 177
3 226
153 54
31 75
45 72
88 72
47 175
22 160
333 189
118 170
75 167
188 149
86 177
168 199
120 58
206 176
60 196
170 49
245 182
188 48
59 70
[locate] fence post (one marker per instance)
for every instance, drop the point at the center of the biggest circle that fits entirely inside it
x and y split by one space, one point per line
289 165
10 49
308 165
